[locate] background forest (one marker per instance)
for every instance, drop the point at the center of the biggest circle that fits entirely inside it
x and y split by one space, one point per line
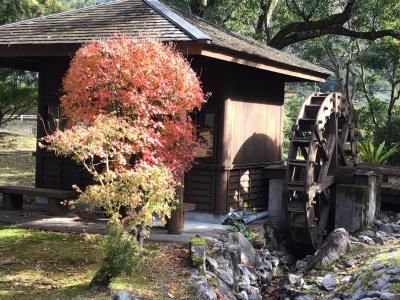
357 40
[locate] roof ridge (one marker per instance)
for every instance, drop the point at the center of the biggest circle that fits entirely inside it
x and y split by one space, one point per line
244 38
181 23
63 13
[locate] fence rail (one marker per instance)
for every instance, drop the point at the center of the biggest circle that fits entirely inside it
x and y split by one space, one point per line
23 117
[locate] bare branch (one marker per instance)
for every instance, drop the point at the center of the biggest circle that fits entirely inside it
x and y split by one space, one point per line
293 32
334 24
307 33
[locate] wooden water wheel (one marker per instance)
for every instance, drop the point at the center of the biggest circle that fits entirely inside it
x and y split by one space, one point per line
322 138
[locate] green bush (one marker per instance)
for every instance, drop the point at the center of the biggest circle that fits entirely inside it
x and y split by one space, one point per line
390 135
238 226
292 109
121 257
369 153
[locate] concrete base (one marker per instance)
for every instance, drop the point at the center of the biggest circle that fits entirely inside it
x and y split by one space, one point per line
277 203
36 218
356 206
205 217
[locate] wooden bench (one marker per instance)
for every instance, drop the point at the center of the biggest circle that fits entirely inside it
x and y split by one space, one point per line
13 198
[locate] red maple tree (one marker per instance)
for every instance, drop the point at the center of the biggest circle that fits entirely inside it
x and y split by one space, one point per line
148 84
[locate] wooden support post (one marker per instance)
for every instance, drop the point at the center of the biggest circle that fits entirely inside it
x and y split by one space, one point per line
12 201
176 223
277 202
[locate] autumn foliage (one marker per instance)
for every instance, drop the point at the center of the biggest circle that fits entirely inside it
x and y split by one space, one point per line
127 102
146 83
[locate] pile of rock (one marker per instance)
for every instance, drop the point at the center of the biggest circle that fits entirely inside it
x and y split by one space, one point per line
386 229
344 282
370 271
231 268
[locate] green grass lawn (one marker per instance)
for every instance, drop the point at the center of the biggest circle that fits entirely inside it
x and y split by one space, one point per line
47 265
13 141
16 168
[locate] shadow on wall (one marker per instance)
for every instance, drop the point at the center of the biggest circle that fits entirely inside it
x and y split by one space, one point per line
245 184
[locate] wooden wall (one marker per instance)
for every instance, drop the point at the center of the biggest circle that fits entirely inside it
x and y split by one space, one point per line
249 103
253 132
52 171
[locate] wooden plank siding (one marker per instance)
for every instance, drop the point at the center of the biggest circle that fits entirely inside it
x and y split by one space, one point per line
249 108
200 185
253 132
246 186
54 172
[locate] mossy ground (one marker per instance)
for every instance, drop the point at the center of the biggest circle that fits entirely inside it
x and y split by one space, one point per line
47 265
198 241
366 256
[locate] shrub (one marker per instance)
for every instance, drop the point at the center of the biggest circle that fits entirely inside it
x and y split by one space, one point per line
390 135
375 155
122 256
144 82
127 102
239 226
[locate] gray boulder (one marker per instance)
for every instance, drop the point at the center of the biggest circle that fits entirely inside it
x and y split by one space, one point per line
226 276
390 296
329 282
254 294
123 295
212 263
247 251
204 291
336 245
304 297
198 256
228 258
242 296
366 240
225 291
294 279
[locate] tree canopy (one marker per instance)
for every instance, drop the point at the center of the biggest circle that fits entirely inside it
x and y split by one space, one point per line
280 23
16 10
18 92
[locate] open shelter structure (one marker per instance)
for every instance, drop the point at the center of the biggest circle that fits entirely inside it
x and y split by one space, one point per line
240 125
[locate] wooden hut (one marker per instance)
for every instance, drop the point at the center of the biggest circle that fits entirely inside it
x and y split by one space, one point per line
241 124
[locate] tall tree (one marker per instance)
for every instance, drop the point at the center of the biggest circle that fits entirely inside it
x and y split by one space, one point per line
18 89
18 92
281 23
15 10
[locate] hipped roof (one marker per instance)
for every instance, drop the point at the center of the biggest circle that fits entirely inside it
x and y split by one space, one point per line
152 18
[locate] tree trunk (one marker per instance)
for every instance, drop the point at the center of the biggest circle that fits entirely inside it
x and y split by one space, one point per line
100 281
